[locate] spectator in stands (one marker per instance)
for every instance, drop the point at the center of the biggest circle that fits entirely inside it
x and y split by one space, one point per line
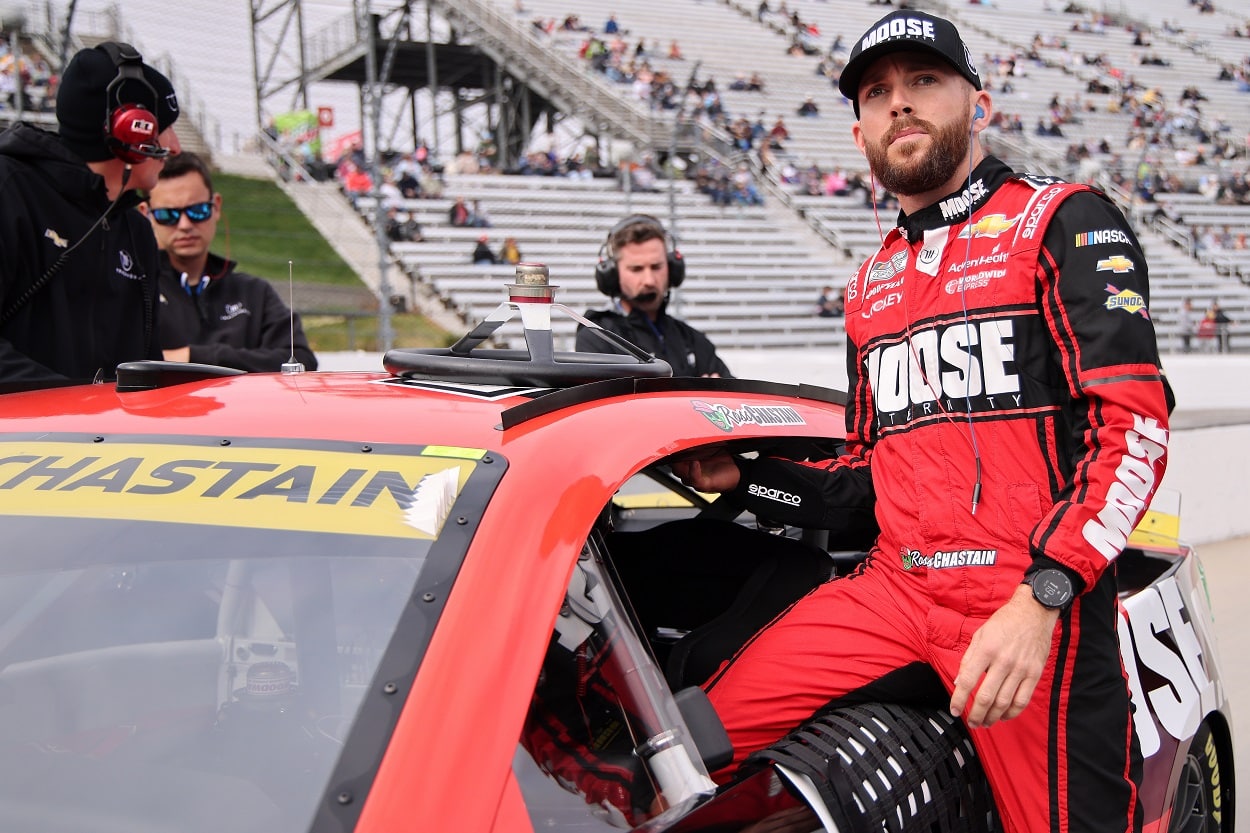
407 173
482 253
1219 326
637 269
459 214
1186 324
611 27
509 252
478 218
642 175
808 108
389 191
78 276
211 313
744 190
402 227
1019 658
829 304
355 182
778 134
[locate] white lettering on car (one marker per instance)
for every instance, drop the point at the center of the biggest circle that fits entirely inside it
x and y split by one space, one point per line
1160 637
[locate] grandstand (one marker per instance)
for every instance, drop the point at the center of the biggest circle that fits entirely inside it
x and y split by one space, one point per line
1114 81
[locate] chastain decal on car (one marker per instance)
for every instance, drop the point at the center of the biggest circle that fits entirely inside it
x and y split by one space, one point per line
269 488
725 417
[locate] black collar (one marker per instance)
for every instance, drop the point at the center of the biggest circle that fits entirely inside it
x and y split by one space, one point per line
958 205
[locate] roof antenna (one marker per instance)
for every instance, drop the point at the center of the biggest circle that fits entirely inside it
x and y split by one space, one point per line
291 366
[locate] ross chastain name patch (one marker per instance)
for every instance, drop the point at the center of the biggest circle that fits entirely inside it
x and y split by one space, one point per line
941 560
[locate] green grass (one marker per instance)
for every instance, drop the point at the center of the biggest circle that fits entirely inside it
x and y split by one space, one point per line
336 333
263 229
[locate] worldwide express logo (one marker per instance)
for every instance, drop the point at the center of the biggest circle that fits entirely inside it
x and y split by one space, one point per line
726 418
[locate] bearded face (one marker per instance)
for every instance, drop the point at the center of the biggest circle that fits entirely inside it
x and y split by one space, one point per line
918 167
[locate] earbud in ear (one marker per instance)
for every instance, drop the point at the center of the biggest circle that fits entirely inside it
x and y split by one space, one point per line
978 113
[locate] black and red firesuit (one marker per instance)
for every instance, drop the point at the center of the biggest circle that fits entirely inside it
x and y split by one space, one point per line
1007 410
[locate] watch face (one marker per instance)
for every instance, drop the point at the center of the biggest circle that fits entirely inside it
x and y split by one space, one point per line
1052 588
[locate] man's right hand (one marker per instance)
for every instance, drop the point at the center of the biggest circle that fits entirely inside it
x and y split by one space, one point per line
716 472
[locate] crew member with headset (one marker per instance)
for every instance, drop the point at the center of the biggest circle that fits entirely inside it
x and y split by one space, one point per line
637 267
78 279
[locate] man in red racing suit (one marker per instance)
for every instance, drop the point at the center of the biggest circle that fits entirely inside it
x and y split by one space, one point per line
1007 422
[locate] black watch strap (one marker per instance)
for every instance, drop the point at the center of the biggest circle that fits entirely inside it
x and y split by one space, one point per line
1052 588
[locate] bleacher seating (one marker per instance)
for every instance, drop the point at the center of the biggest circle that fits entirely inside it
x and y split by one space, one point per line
755 271
753 274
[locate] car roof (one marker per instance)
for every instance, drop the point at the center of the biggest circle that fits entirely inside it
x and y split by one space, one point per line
384 408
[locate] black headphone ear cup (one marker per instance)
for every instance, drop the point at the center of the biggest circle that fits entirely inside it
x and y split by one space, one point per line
607 277
131 125
676 269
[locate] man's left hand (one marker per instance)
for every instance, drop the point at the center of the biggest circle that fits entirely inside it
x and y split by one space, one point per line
1004 661
178 354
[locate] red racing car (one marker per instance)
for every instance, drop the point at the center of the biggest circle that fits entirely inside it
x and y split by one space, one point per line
465 593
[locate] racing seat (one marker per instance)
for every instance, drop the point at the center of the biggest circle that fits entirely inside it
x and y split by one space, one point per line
701 588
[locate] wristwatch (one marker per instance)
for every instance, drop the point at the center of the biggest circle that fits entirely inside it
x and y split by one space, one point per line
1051 587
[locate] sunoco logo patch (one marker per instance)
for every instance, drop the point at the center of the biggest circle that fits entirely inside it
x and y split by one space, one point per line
1126 299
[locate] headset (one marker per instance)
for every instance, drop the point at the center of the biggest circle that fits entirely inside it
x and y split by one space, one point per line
131 131
608 275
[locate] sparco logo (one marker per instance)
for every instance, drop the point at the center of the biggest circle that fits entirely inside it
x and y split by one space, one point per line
943 560
1135 479
774 494
947 369
961 204
1039 208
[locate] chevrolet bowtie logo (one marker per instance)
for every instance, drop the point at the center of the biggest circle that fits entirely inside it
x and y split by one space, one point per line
991 225
1116 263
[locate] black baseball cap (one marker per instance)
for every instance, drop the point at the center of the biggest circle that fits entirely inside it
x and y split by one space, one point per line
904 30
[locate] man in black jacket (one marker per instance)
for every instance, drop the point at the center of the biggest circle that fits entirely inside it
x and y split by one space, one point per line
78 272
211 313
636 269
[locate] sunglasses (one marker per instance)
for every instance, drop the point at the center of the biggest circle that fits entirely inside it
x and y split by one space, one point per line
197 213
